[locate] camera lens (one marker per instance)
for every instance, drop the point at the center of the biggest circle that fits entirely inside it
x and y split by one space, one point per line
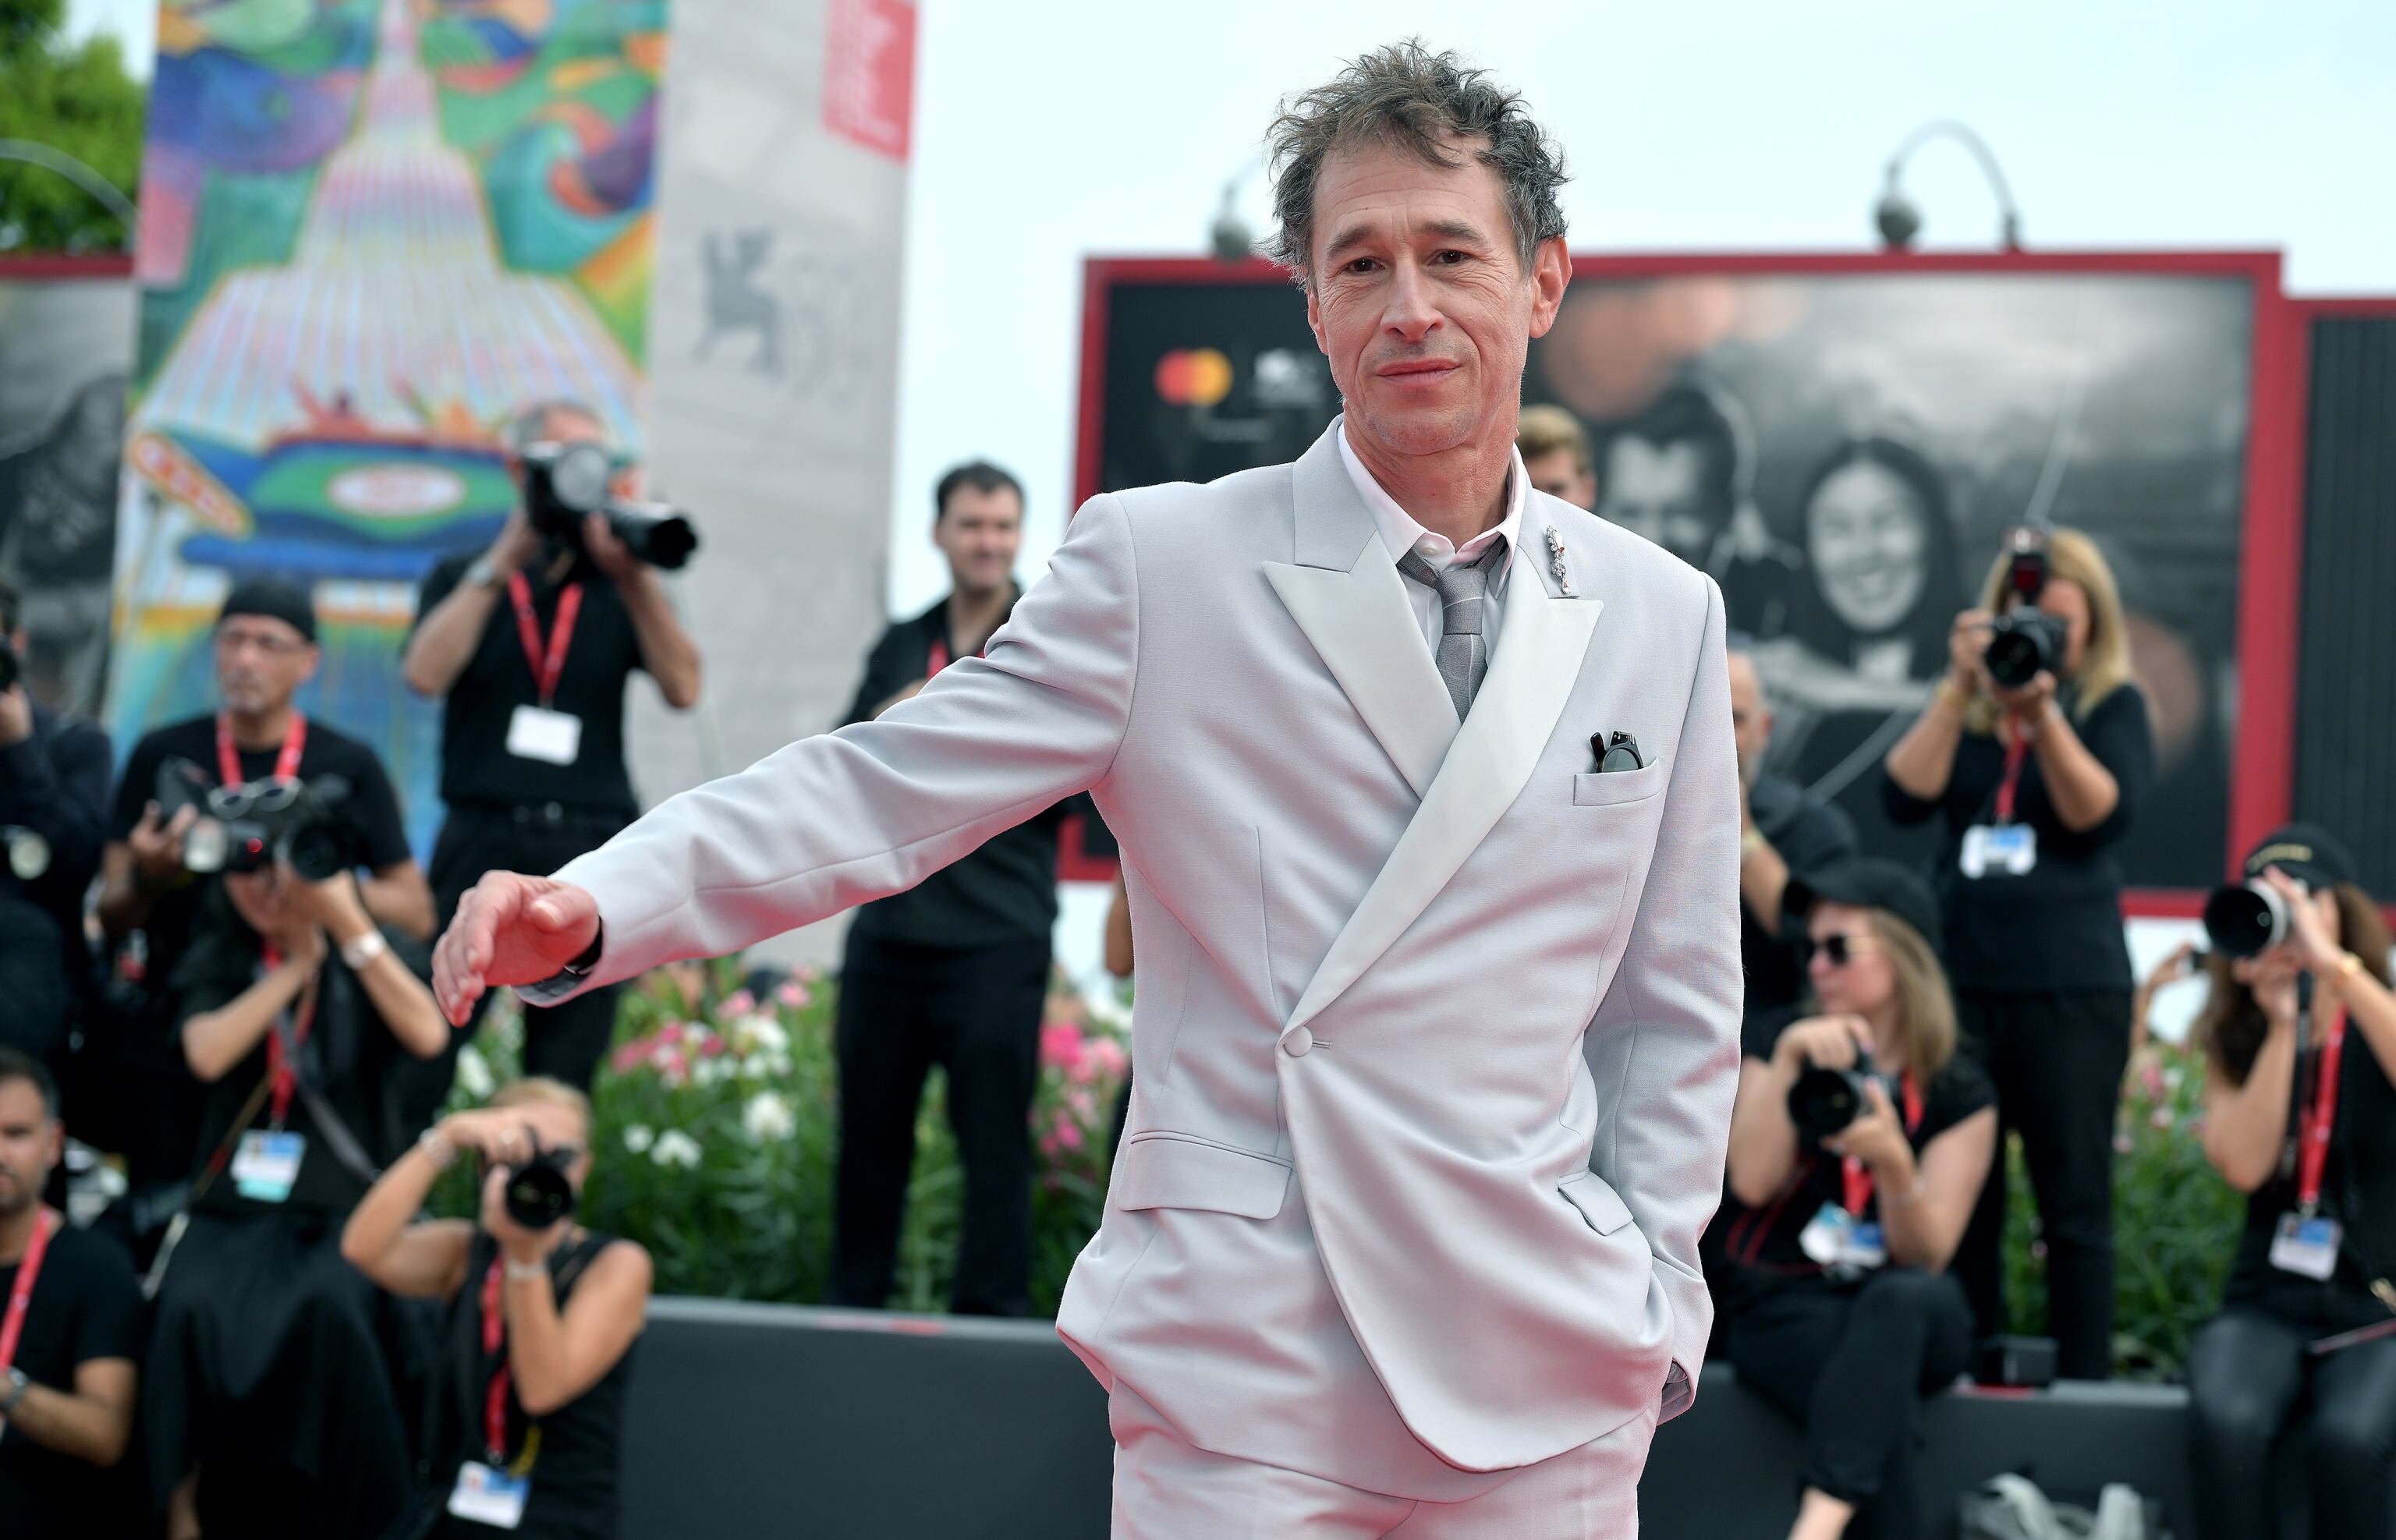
313 851
538 1194
2246 920
1824 1101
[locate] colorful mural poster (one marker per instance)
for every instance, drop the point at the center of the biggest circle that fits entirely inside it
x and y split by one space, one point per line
371 230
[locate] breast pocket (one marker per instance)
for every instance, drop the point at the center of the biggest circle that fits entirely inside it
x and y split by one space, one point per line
1593 790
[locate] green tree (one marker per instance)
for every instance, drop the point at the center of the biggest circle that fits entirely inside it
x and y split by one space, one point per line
75 98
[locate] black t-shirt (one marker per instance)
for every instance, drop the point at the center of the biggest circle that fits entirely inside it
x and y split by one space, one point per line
2057 928
475 765
369 813
1006 890
1760 1247
85 1306
1810 835
349 1055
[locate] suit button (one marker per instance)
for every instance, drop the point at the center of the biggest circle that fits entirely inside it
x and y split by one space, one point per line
1297 1044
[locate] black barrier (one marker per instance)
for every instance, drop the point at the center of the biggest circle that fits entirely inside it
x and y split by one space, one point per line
780 1420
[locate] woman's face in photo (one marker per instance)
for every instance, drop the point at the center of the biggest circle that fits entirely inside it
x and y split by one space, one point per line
1866 535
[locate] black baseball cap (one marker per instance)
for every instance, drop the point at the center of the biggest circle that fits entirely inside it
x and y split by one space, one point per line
275 599
2307 852
1866 882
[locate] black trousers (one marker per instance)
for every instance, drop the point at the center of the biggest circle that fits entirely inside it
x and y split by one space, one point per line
2249 1376
1851 1367
37 988
976 1014
563 1041
2057 1061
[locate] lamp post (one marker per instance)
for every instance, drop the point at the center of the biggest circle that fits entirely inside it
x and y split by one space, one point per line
1898 218
1229 237
100 187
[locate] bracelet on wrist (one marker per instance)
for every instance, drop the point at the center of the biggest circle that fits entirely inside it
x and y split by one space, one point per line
524 1272
437 1149
360 952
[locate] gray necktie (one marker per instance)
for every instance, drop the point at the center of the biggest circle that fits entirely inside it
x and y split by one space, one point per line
1463 652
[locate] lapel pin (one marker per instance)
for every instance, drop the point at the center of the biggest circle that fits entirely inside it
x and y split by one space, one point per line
1556 563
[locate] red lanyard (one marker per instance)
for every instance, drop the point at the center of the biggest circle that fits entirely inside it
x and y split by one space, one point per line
13 1325
279 1068
547 666
1855 1175
2016 752
2315 1125
940 659
286 764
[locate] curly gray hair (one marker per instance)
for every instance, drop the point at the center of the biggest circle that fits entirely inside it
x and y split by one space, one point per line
1406 96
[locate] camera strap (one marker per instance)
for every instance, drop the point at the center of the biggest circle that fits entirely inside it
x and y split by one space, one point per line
495 1348
21 1295
2017 752
1856 1178
287 761
2316 1123
548 664
282 1072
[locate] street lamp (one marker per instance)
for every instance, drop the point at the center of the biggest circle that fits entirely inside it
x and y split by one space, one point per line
1229 238
73 170
1899 220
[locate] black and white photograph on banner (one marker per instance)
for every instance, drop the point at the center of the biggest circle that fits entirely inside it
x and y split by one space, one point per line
66 343
1845 453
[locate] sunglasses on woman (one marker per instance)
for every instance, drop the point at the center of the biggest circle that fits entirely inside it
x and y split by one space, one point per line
1839 949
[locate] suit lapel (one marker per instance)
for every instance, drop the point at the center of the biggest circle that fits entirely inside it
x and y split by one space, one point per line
1346 595
1540 651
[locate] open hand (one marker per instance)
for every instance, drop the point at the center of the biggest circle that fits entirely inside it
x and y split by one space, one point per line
509 929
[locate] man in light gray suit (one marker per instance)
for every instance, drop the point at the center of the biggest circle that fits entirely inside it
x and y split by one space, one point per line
1436 1036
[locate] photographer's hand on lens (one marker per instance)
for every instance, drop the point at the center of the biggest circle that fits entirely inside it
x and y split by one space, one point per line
1967 647
2029 702
334 904
2310 946
16 716
609 554
1824 1043
509 929
1876 1137
158 847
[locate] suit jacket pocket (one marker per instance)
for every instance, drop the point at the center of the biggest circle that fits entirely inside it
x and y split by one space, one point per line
1598 1202
1591 789
1182 1171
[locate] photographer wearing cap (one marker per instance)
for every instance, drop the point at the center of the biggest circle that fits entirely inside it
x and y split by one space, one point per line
2035 753
70 1333
543 1316
2299 1044
529 644
271 1408
265 645
53 807
1857 1147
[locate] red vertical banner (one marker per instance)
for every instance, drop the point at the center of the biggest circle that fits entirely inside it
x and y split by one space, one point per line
869 89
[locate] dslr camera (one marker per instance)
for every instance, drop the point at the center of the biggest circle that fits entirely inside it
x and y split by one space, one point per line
254 825
566 482
1824 1101
2029 642
539 1193
2245 919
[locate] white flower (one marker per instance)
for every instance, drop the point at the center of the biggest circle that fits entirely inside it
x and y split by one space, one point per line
711 1071
765 1065
676 1147
768 1119
638 1137
760 1033
474 1073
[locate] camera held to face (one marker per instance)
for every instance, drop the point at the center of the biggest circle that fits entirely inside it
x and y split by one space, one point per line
566 482
2029 642
1824 1102
539 1191
253 826
2245 919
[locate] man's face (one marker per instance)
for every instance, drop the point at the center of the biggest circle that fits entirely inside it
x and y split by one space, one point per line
260 662
31 1141
1750 717
1417 299
1657 491
1560 473
981 534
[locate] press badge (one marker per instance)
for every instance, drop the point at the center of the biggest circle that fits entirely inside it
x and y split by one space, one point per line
2306 1247
267 1164
1836 1241
2010 850
537 732
489 1497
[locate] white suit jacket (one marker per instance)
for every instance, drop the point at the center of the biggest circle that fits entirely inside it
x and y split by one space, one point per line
1435 1035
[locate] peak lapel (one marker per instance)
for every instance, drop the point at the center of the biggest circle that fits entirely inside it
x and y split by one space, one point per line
1540 650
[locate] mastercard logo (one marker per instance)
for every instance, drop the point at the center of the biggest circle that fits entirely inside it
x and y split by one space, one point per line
1193 377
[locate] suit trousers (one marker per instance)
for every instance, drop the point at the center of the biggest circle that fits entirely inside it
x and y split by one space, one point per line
1851 1366
1168 1489
2250 1374
2057 1061
977 1013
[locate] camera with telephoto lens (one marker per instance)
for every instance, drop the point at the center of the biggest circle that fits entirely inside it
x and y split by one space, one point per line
566 482
539 1192
2029 642
252 826
2245 919
1824 1101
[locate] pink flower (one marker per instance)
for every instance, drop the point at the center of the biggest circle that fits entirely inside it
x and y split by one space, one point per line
2150 1080
2038 1249
1049 1144
792 995
1107 1057
631 1057
671 1033
2163 1117
739 1004
711 1045
2121 1145
1067 1133
1079 1102
1061 1047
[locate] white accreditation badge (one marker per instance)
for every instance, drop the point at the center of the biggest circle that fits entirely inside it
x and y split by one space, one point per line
2306 1247
488 1495
266 1163
2001 850
538 732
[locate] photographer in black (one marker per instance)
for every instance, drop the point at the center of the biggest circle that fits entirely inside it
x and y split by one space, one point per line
265 644
2299 1042
53 808
2036 751
271 1408
543 1316
1858 1144
531 643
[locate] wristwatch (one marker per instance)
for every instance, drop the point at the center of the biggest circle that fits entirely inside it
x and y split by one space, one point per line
17 1385
483 572
357 955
